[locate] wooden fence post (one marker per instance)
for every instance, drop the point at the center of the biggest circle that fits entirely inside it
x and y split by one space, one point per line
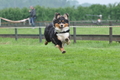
40 34
74 33
16 35
110 32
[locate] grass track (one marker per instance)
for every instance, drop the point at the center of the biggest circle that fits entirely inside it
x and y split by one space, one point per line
79 30
27 59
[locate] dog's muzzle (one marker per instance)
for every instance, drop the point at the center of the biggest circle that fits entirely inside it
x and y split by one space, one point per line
61 26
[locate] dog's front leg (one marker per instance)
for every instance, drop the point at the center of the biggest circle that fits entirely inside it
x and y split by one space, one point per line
61 48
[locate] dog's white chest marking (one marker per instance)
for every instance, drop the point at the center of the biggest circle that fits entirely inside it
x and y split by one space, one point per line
63 36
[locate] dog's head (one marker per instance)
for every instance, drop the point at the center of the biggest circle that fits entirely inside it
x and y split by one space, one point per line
61 22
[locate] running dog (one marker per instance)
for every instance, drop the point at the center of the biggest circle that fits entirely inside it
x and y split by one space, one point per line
58 31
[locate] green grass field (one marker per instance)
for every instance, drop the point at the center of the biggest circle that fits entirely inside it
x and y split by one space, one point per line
79 30
27 59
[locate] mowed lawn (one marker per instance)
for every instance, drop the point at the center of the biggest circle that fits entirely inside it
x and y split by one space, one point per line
79 30
27 59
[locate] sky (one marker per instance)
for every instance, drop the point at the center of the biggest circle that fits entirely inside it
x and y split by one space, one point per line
98 1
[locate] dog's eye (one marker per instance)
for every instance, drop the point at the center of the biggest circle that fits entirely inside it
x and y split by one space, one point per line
66 21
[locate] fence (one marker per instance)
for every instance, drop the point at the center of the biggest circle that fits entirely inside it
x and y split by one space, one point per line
74 36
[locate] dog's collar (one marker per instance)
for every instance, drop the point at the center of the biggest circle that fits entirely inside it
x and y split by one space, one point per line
63 31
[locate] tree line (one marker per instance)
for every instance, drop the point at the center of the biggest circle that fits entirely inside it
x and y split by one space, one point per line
46 3
108 12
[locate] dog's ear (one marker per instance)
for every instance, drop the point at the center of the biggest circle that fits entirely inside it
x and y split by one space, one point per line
66 16
57 15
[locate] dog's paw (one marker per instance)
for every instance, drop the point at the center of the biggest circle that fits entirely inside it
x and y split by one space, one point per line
67 41
63 52
46 43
